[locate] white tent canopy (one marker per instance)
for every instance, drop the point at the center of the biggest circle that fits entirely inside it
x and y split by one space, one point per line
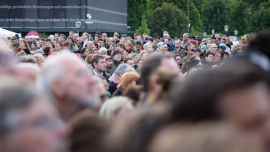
6 33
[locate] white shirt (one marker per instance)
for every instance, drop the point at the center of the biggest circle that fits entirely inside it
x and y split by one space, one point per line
97 73
84 43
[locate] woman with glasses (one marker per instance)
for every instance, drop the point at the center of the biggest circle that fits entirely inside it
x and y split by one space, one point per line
129 47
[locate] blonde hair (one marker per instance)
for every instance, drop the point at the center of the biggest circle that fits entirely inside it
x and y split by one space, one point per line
141 53
126 79
88 59
112 106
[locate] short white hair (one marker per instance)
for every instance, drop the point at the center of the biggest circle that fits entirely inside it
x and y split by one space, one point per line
166 34
212 45
186 34
102 49
218 35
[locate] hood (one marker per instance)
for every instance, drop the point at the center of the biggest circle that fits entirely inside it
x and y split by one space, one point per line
223 48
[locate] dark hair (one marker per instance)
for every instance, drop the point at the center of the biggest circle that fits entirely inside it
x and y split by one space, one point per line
158 37
96 58
207 54
222 55
46 50
126 59
148 68
57 34
83 50
71 32
187 107
192 63
63 36
60 43
176 55
79 46
100 40
48 40
72 40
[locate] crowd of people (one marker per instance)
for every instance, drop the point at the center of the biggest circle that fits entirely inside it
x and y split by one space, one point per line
143 94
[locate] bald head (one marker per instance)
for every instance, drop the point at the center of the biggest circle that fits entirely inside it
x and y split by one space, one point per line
90 45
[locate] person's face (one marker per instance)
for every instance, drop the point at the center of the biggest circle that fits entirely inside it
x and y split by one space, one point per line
70 41
225 57
104 53
90 45
111 48
128 46
135 59
139 65
150 49
217 57
138 47
189 51
178 60
121 41
248 109
101 65
222 41
76 48
177 44
165 49
15 42
165 36
96 39
33 46
104 35
109 63
100 43
135 36
124 55
38 129
214 48
185 38
84 36
96 52
220 49
139 38
240 52
118 56
209 42
41 43
75 36
56 36
62 39
167 41
210 58
70 34
86 52
131 63
78 40
51 49
57 47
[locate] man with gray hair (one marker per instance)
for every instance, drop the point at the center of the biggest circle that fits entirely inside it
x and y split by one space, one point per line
28 122
184 44
213 48
115 78
102 51
217 36
67 80
75 36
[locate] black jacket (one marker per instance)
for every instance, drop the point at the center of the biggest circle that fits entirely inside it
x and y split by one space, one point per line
115 66
117 92
112 87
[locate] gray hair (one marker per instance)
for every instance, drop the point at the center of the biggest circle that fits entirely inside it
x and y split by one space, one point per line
123 68
212 45
13 98
218 35
228 39
52 37
186 34
76 34
101 50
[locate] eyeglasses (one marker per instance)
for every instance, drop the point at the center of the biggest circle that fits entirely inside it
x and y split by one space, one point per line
177 59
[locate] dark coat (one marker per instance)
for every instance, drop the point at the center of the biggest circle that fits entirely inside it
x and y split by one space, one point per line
112 87
115 66
117 92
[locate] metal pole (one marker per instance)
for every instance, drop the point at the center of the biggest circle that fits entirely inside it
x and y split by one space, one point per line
78 32
188 9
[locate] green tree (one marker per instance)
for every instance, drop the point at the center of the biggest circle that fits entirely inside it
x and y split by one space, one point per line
239 14
136 9
260 19
194 15
198 4
167 18
254 4
143 28
215 15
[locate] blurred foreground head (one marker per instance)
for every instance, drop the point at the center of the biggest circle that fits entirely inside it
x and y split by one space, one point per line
237 93
29 123
67 81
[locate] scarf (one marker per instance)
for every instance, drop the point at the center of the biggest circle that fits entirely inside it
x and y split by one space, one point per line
114 78
129 51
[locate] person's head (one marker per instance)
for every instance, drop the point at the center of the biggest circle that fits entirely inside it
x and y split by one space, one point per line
117 55
84 51
209 42
48 43
100 43
164 48
95 51
142 54
116 35
114 47
78 47
40 59
178 59
129 61
14 40
88 59
240 97
122 69
139 38
217 56
71 41
66 45
177 43
98 63
217 36
66 69
71 33
221 48
189 50
166 36
102 51
58 46
90 45
196 51
104 35
85 36
134 56
129 46
79 40
124 55
33 46
151 48
213 48
185 36
29 122
115 109
109 62
149 66
75 36
223 41
167 41
209 57
237 51
224 56
62 38
138 45
91 137
127 80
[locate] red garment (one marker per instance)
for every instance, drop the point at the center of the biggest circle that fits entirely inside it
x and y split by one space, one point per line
129 51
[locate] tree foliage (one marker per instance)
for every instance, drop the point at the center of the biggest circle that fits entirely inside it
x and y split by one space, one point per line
260 19
136 9
215 15
194 15
143 28
167 18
